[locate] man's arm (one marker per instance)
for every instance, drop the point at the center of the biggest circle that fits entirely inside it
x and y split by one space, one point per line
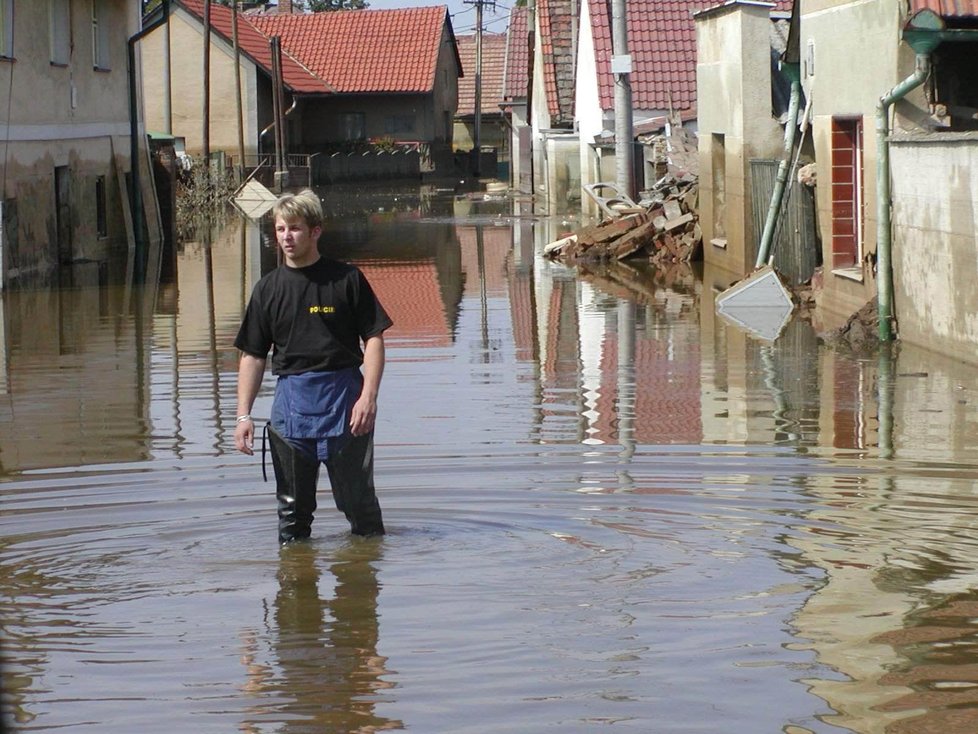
250 372
364 411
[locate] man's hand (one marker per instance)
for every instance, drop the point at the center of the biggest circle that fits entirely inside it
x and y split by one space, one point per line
363 416
244 436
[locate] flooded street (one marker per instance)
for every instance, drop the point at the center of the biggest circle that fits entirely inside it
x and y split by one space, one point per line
608 510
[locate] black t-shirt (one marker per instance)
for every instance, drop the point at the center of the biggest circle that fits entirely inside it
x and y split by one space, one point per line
315 318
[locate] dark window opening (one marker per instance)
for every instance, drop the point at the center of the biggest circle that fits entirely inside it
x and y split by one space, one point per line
101 223
954 85
394 124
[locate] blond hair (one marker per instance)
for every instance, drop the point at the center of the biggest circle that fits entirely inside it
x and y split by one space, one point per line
304 205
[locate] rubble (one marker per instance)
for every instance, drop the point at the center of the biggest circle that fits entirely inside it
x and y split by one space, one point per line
664 227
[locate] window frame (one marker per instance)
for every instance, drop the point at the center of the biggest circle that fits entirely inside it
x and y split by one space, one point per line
101 56
59 19
6 29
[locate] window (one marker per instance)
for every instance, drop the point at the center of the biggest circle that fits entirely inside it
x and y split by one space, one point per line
718 156
59 15
398 124
847 193
101 223
353 126
954 86
7 29
100 36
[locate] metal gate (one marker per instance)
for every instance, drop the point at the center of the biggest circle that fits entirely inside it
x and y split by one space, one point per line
795 247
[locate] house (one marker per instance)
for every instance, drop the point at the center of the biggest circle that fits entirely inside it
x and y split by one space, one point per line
176 54
894 144
402 87
66 135
738 125
907 234
556 167
402 90
516 94
493 125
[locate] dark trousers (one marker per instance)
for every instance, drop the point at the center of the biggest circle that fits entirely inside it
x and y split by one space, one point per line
351 477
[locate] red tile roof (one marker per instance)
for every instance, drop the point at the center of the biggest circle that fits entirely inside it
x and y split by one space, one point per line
255 46
516 81
493 63
366 51
556 20
662 44
947 8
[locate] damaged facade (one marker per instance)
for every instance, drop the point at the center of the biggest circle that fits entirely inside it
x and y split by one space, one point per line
66 134
891 154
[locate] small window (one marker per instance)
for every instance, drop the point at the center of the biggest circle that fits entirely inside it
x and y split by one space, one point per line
398 124
100 36
59 14
7 29
101 223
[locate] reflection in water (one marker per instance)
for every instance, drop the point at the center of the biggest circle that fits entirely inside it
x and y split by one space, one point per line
326 674
607 505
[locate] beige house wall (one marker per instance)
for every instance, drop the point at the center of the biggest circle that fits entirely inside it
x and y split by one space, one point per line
851 56
187 82
69 116
734 101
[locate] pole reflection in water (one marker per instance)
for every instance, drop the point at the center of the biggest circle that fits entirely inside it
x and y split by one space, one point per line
606 505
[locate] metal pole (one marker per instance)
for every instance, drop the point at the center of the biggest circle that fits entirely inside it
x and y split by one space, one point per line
206 131
621 67
478 89
237 88
167 83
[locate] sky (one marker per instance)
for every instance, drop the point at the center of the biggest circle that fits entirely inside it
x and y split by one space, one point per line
495 16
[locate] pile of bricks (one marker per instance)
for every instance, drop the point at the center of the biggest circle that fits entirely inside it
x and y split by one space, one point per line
665 229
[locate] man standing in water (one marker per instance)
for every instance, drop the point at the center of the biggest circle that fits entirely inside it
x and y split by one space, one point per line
314 313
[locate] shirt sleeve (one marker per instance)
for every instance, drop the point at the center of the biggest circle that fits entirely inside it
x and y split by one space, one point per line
372 319
255 335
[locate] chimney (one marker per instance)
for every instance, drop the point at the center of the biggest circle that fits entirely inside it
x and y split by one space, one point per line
284 6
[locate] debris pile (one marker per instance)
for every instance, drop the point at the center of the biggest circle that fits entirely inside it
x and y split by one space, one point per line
663 226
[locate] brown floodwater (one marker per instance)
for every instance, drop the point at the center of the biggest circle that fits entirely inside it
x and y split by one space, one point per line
609 510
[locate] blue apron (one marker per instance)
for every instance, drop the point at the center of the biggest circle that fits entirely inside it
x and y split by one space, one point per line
312 410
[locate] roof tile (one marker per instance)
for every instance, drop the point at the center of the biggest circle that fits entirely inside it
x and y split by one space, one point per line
365 51
493 62
662 44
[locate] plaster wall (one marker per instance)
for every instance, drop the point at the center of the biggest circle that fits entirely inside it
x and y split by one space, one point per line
69 116
733 100
589 118
935 249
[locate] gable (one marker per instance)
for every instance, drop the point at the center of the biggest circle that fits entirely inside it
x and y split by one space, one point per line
556 42
662 44
517 65
367 51
493 59
256 47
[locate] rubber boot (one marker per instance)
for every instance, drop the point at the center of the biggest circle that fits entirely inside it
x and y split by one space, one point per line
296 475
351 476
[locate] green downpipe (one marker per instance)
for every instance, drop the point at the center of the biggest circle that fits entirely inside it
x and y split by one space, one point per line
884 244
793 72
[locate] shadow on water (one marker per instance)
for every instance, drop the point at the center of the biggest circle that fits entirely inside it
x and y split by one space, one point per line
606 505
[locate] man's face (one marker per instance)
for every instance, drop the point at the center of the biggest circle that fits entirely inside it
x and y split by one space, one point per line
298 241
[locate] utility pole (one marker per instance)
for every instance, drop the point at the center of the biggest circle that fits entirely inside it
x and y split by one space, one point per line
621 68
206 132
237 89
477 137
